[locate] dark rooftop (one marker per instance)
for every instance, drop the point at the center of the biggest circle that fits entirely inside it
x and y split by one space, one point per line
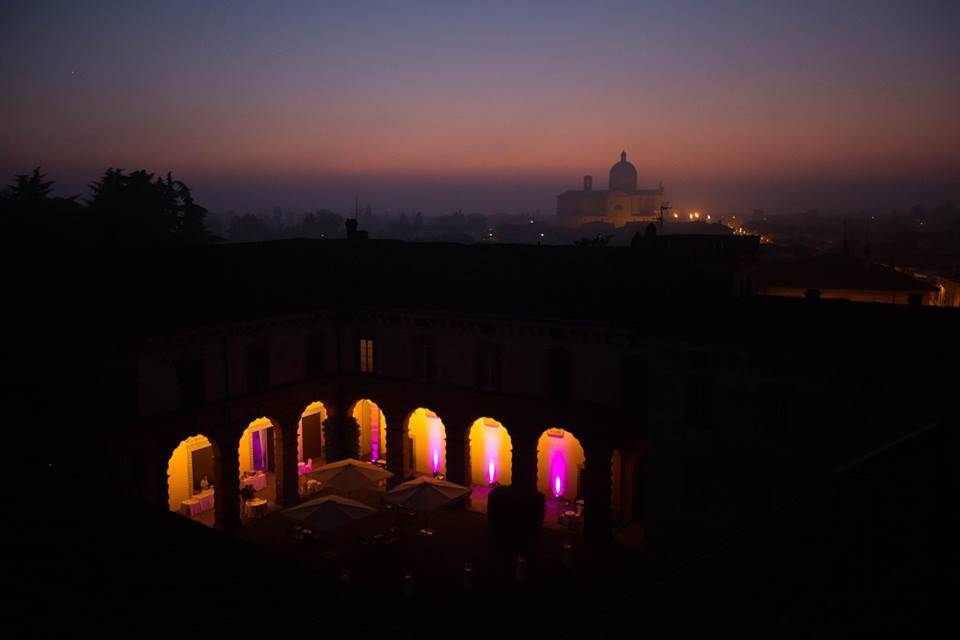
838 271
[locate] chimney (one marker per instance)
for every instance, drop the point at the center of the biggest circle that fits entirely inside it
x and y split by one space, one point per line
588 183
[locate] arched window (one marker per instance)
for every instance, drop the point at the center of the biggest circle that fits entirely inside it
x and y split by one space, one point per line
191 479
635 382
489 365
423 359
558 375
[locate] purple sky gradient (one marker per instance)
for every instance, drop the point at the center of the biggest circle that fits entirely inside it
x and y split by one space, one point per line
491 107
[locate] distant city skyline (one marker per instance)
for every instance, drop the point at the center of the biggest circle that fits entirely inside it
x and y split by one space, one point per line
433 107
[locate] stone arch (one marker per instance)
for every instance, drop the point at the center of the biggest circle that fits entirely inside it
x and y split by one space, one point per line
491 453
192 470
429 441
260 458
373 429
310 439
629 486
560 462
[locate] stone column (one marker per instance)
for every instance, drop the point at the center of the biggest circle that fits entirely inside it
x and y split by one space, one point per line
287 477
458 455
157 489
226 495
598 478
524 471
398 462
654 503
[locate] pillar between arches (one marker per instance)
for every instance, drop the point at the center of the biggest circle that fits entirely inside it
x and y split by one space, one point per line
458 455
598 483
288 494
226 495
398 453
524 471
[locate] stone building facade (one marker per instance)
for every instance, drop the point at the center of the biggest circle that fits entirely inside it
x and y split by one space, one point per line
693 414
621 204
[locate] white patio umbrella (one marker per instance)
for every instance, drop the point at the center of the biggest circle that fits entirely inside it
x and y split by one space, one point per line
350 475
426 494
329 513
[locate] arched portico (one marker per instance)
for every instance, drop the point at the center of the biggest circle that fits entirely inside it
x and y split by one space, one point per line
310 444
260 459
373 430
191 479
491 453
560 466
426 430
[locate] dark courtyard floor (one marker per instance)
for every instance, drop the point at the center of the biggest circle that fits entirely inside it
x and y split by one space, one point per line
367 558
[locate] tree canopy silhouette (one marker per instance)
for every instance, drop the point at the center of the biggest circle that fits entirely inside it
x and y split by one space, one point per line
28 188
135 208
124 209
31 216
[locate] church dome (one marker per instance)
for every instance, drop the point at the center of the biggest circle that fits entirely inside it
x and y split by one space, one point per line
623 175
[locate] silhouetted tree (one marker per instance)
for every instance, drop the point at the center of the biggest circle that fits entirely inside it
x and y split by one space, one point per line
137 209
30 214
323 223
28 188
249 228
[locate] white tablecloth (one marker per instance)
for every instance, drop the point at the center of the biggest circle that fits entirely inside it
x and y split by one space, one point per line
200 502
258 482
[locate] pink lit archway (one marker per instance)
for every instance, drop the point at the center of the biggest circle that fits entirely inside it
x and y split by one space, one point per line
491 453
429 437
560 459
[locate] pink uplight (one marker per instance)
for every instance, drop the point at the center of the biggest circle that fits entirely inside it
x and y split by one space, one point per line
492 472
556 487
436 461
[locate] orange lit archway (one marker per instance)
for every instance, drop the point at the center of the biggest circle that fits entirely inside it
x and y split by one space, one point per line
259 459
310 445
190 479
560 460
491 453
373 430
429 442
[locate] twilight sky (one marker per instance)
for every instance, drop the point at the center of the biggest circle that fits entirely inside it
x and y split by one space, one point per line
490 106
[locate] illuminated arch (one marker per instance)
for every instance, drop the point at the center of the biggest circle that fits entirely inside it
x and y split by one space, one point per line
190 478
259 454
429 441
491 452
560 460
310 445
373 430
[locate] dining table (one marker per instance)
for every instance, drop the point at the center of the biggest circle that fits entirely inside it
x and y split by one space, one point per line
198 503
258 481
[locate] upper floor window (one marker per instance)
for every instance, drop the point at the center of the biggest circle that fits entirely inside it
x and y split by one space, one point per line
558 373
258 368
424 360
698 404
190 387
366 355
489 365
635 380
124 393
313 353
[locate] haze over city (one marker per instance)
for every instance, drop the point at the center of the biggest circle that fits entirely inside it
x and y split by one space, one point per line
440 107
